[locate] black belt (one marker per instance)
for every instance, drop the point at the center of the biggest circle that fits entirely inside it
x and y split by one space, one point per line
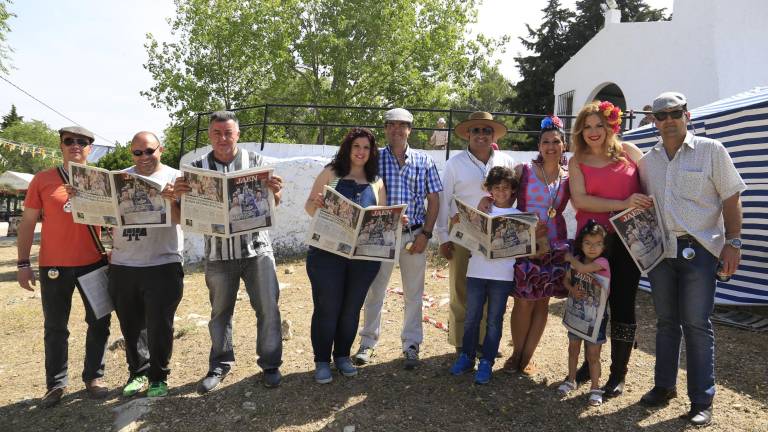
413 227
687 237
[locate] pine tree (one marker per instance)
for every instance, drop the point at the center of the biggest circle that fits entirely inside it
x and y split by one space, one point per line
550 46
11 118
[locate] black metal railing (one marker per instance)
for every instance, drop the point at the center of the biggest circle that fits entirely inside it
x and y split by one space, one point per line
256 121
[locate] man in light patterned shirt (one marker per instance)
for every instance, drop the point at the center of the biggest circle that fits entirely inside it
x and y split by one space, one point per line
697 189
247 257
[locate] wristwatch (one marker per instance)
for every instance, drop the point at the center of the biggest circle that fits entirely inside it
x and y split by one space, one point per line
734 243
427 234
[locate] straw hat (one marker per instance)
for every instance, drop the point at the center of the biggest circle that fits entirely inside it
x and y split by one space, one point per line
480 118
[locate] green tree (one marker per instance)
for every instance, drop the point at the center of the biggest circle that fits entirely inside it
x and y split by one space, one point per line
11 118
5 49
326 52
550 49
32 132
119 158
590 18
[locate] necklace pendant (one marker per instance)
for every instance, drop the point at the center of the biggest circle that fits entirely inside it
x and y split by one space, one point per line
551 212
67 208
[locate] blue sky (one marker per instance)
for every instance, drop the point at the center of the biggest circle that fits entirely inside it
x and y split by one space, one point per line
84 58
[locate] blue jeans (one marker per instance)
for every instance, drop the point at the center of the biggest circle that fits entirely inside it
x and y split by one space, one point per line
684 296
339 287
223 281
495 292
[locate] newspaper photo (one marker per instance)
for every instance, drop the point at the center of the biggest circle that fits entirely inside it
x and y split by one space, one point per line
227 204
139 201
642 233
117 198
504 236
344 228
93 202
584 317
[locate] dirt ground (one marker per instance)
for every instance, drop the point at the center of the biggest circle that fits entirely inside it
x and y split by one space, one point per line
382 397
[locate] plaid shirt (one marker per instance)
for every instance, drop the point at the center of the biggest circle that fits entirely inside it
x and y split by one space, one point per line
410 183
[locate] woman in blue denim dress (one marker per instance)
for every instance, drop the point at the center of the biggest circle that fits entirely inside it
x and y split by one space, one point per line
339 284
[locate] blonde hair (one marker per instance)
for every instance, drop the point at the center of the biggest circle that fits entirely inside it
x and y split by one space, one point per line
612 145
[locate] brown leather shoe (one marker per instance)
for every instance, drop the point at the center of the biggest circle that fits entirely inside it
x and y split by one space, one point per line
52 397
95 389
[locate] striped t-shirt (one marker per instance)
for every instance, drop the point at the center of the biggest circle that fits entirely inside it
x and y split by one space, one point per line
238 246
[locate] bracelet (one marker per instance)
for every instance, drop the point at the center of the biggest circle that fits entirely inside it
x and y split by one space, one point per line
23 264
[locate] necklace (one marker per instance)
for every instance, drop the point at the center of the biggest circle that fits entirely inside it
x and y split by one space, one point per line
477 165
551 212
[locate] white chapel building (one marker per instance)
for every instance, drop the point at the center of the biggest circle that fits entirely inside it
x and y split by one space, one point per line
711 49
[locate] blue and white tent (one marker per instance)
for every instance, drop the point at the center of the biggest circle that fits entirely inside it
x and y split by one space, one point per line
740 122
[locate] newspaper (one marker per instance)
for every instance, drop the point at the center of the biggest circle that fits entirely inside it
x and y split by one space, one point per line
94 286
344 228
227 204
584 317
504 236
642 233
117 198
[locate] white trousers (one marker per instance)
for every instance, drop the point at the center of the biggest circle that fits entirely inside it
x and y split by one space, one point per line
412 269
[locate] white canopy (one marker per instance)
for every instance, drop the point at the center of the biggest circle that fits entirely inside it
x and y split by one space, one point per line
15 180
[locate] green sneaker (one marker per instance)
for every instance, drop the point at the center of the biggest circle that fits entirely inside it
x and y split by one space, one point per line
135 384
157 389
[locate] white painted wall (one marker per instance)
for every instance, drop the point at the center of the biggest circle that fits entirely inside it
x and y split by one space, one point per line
710 50
298 165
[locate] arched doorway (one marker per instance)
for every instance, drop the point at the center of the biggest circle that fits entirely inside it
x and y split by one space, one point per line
610 92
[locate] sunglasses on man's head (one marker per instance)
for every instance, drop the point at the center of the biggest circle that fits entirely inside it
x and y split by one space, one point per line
148 152
481 131
82 142
661 116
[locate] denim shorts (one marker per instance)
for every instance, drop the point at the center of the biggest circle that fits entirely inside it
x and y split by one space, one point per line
601 337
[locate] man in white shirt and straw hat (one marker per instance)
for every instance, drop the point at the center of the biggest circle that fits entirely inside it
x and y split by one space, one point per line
463 178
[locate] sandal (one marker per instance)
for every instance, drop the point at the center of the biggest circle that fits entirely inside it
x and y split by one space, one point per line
512 365
529 370
595 397
566 387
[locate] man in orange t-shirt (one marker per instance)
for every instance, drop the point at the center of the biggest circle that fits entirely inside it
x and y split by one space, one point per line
67 251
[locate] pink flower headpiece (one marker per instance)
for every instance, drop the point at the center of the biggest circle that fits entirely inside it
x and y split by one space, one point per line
613 114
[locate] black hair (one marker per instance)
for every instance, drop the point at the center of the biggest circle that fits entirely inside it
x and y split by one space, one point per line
341 162
499 174
591 228
222 116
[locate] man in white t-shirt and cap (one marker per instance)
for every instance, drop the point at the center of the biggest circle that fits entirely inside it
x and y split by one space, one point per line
697 189
463 178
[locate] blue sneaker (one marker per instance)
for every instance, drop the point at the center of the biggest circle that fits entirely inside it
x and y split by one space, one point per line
345 367
323 373
484 371
463 365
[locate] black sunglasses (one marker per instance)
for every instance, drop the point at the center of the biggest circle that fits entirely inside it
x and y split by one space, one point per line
82 142
483 131
661 116
148 152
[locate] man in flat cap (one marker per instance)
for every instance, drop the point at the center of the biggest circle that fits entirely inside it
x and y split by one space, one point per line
463 178
67 251
697 189
411 178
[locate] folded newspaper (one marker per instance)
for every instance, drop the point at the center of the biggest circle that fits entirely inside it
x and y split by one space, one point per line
642 233
504 236
584 317
117 198
367 233
227 204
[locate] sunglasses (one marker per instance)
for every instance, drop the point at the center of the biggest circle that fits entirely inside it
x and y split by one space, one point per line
481 131
148 152
82 142
661 116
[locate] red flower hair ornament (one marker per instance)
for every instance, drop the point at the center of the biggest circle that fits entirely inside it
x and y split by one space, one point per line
612 113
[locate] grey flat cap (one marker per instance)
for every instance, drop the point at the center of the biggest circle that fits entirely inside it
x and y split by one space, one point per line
398 114
668 100
77 130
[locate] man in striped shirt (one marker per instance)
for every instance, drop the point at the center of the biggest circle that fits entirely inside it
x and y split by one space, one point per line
227 260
